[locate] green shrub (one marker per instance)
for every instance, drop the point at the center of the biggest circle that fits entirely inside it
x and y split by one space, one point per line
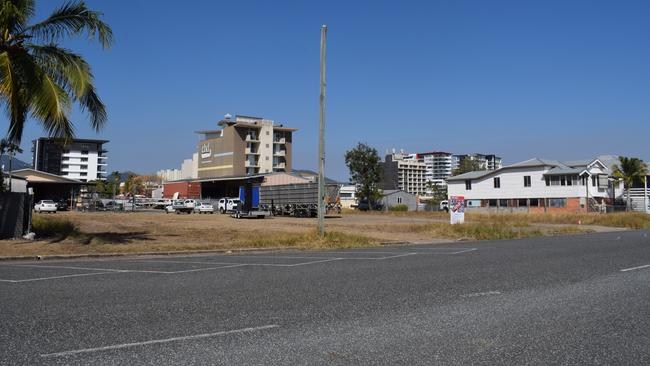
400 208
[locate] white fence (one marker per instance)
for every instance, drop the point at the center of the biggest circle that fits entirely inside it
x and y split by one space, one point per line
639 199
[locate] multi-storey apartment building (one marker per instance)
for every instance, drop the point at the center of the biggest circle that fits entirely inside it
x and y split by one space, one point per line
485 162
437 165
404 172
81 159
244 146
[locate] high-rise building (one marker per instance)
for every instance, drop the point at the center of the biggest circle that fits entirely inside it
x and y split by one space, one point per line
404 172
485 162
438 166
81 159
244 146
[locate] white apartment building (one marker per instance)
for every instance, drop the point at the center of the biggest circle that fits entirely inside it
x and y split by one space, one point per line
81 159
437 166
485 162
540 185
404 172
169 175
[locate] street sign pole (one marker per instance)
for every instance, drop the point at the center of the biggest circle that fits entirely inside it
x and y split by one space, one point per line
321 137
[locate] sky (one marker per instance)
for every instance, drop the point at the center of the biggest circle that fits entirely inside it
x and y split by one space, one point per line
520 79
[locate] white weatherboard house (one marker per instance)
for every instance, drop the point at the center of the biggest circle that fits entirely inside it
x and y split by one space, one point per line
541 185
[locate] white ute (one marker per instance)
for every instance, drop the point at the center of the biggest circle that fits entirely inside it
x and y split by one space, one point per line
228 205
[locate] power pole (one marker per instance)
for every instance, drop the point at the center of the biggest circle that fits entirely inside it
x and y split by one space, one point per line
321 137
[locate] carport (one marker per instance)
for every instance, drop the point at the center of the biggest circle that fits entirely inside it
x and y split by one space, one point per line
48 186
214 188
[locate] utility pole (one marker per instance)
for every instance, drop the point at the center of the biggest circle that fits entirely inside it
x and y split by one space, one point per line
321 137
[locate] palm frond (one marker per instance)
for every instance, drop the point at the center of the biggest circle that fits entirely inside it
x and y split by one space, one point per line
73 73
72 19
14 14
11 89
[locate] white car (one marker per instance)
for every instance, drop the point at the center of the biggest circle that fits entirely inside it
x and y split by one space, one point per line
190 203
228 205
45 206
204 207
170 209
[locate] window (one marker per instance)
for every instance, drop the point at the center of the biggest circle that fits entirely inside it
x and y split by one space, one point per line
534 202
497 182
593 180
563 180
267 145
83 174
399 199
568 180
548 181
527 181
503 203
492 203
84 159
84 152
267 133
555 181
557 202
468 185
267 158
522 202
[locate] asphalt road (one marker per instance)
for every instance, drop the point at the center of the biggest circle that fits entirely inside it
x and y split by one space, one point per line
562 300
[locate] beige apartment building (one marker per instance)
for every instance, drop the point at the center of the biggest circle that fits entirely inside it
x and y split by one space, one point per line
244 146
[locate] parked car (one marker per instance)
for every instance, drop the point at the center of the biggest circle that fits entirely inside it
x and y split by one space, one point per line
45 206
162 204
184 206
444 206
173 205
365 206
204 207
62 205
228 205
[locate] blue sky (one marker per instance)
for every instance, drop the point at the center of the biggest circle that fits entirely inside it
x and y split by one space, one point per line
554 79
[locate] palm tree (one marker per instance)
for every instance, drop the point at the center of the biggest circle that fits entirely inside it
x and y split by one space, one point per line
42 79
630 171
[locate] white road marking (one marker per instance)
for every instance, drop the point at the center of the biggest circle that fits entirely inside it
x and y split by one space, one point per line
90 268
206 269
55 277
158 341
379 258
634 268
251 264
465 251
487 293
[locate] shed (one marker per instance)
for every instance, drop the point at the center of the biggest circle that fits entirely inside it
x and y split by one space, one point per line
394 197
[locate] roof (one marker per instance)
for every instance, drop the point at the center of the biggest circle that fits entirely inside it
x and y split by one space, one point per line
69 141
388 192
37 176
473 175
536 162
562 171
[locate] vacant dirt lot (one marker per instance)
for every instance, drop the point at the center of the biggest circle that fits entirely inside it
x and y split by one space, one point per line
104 232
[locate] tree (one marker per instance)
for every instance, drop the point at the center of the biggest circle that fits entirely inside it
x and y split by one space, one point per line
467 165
39 77
9 148
630 171
133 185
438 192
365 171
4 145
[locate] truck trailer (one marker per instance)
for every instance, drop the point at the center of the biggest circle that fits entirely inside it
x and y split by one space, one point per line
296 199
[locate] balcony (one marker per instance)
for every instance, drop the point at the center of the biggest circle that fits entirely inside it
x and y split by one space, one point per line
279 166
251 164
280 140
251 138
279 153
249 151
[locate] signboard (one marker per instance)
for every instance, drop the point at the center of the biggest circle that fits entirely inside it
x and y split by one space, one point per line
457 209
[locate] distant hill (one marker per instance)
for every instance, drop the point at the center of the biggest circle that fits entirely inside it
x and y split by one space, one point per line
15 164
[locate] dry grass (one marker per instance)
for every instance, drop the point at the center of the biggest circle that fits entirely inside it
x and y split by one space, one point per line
108 232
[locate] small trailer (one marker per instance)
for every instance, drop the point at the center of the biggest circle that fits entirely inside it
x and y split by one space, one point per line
249 203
